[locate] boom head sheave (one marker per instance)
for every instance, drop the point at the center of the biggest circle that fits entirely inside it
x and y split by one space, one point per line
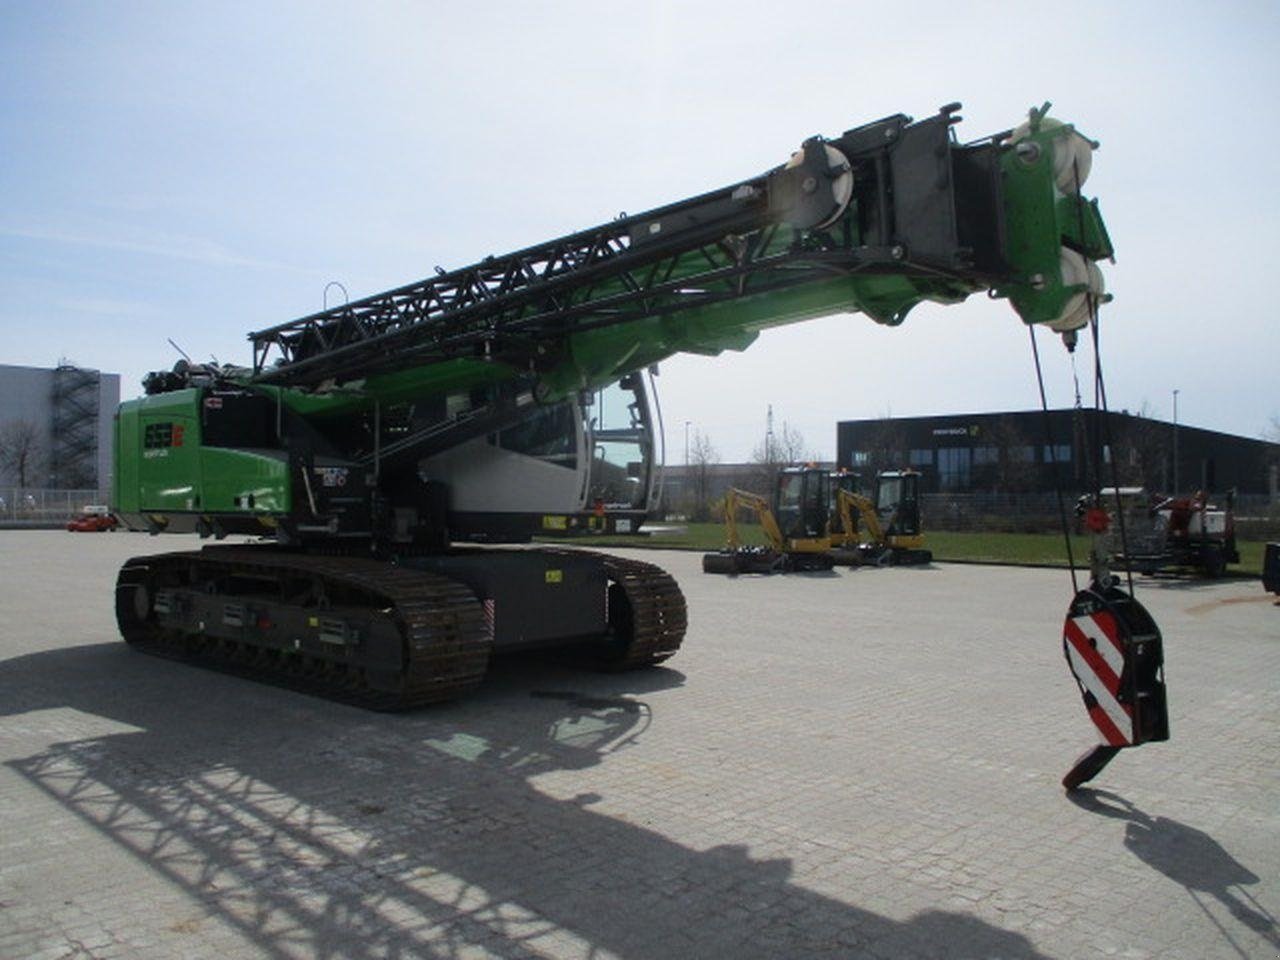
1055 234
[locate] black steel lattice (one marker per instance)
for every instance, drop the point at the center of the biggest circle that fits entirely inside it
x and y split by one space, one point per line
520 296
726 244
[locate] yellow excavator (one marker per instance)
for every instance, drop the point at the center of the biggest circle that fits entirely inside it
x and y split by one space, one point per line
884 531
796 525
799 523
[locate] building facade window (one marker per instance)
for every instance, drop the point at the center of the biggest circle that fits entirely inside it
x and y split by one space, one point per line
1018 439
954 465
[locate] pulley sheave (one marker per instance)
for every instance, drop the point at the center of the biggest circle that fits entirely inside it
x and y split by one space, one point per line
813 188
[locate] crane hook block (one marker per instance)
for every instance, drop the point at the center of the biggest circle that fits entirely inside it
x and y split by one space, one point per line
1116 654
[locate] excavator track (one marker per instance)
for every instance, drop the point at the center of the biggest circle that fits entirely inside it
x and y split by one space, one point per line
647 612
396 638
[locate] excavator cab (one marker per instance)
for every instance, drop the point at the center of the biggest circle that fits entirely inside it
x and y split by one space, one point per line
844 480
898 507
898 503
802 502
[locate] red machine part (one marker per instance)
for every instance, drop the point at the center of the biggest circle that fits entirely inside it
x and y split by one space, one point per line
1116 654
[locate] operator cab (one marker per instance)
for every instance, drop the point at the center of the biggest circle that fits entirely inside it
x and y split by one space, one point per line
802 502
898 502
625 462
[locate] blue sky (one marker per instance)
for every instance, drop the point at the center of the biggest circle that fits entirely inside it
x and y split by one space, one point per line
197 171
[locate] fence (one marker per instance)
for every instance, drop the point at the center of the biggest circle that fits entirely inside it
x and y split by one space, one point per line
1004 512
1257 516
28 507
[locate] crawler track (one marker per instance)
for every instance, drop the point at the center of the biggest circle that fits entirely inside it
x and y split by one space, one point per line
649 627
358 630
422 638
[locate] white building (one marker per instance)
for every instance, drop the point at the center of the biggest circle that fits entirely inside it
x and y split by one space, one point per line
64 418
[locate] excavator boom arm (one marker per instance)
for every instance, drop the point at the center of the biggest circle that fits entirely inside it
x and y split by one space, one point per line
849 503
736 499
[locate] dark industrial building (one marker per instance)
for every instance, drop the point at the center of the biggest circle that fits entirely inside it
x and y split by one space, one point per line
1021 451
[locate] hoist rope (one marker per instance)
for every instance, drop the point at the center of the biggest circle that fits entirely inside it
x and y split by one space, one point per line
1053 462
1096 442
1104 442
1104 414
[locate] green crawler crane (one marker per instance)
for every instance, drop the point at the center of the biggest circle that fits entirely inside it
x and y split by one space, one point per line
385 446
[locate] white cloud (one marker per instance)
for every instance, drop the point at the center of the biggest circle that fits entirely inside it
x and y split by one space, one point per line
194 249
107 308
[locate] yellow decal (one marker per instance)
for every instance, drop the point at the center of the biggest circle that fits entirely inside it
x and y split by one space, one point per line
555 576
313 621
555 523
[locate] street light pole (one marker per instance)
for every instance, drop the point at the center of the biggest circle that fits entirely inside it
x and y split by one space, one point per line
1176 489
686 443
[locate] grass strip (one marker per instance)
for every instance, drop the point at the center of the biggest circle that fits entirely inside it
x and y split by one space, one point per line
1038 549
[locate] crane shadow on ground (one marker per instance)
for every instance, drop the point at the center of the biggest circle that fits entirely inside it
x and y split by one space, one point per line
319 829
1190 858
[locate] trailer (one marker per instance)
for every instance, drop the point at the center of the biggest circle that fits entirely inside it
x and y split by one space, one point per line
1176 533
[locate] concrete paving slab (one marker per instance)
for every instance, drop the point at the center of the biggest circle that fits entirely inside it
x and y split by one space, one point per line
857 764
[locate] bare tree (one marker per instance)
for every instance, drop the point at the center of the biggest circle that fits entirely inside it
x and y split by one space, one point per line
21 452
784 446
1015 466
1271 455
1143 450
1272 433
702 455
1137 450
885 447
